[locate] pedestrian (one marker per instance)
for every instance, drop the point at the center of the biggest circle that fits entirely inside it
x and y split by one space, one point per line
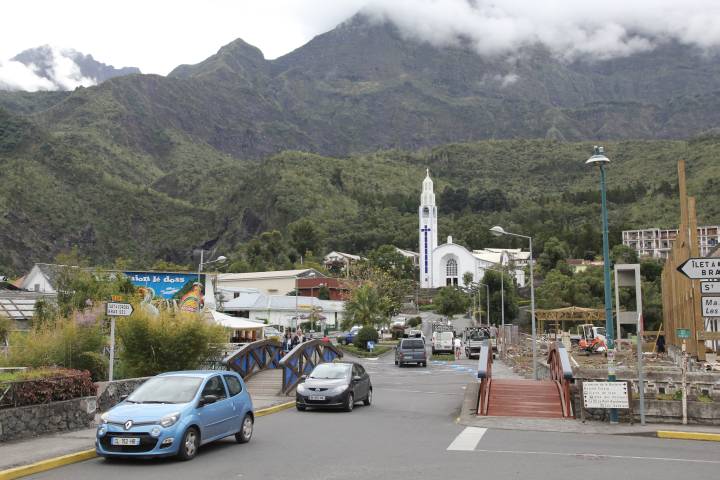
286 342
295 340
493 331
660 344
458 348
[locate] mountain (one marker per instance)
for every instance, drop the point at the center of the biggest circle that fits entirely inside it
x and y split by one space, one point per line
146 167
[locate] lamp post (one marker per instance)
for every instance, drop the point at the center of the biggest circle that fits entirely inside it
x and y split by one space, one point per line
499 231
220 259
598 158
487 287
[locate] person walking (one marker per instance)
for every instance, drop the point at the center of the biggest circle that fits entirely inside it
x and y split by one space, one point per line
458 348
286 343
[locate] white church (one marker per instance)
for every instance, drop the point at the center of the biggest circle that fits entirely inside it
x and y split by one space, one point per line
446 264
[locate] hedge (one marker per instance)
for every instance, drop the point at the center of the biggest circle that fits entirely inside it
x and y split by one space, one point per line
45 386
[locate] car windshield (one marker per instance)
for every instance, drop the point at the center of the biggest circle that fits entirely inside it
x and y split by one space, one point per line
477 336
330 371
413 344
166 390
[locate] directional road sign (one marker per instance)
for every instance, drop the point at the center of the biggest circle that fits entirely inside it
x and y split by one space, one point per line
710 306
710 288
115 309
701 268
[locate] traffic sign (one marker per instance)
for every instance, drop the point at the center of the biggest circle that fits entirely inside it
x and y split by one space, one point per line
682 332
701 268
710 306
114 309
709 288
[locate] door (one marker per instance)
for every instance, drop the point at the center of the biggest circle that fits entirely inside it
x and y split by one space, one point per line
236 401
216 416
360 387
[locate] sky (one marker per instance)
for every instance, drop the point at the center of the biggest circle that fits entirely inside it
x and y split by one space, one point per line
158 35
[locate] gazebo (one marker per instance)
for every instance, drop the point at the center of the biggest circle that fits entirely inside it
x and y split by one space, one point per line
568 314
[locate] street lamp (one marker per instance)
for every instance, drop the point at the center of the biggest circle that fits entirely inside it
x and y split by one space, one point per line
220 259
498 231
598 158
488 301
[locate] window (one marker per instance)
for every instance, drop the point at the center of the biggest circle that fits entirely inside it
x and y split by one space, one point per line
426 212
215 386
233 385
451 268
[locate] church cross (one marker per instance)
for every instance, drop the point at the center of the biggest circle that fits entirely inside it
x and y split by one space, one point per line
425 229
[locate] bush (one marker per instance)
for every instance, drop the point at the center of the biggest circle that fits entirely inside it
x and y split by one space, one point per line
397 331
366 334
414 322
353 350
96 363
5 327
63 344
152 344
51 385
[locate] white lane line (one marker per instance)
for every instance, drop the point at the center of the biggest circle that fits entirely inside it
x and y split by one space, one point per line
600 456
468 439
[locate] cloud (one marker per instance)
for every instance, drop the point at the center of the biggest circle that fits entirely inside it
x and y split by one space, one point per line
571 29
53 69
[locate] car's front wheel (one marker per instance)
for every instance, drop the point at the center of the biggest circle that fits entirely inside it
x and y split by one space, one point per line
246 431
368 399
189 444
350 403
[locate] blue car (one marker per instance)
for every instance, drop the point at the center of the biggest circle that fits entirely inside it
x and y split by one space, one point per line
174 413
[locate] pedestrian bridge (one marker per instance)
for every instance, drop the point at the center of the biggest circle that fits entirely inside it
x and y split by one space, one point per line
267 372
548 398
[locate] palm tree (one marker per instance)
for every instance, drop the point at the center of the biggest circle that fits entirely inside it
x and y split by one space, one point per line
365 308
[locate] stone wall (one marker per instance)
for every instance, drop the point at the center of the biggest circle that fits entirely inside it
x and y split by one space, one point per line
34 420
110 393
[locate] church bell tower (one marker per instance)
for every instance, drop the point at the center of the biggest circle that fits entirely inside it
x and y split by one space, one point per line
427 230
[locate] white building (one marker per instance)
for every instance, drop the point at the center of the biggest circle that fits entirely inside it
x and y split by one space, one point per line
446 264
657 242
279 282
284 311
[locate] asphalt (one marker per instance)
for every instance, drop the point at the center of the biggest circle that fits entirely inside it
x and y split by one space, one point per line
412 432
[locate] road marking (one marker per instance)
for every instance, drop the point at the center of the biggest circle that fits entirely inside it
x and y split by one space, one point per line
600 456
468 439
420 391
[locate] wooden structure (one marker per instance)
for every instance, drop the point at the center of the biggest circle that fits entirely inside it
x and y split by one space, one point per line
680 295
569 314
302 359
255 357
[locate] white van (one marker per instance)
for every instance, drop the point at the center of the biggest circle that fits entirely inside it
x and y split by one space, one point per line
442 342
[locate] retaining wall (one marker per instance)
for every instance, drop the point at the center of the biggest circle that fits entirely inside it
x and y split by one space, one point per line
34 420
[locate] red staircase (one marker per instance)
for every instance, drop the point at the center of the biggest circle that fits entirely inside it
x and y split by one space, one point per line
524 398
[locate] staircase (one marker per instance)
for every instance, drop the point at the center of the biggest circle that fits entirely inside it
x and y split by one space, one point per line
265 384
524 398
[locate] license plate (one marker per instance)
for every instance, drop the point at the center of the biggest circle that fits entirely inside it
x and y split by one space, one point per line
316 397
125 441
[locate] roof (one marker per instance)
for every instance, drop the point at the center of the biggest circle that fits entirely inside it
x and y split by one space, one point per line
406 253
19 305
225 277
260 301
344 255
234 322
494 255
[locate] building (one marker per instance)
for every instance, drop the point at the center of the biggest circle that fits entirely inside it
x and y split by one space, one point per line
447 264
340 261
578 265
338 289
284 311
19 305
657 242
42 278
279 282
413 256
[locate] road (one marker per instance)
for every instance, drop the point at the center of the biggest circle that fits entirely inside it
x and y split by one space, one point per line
410 432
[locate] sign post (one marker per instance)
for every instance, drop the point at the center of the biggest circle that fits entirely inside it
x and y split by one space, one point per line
710 306
710 288
113 310
701 268
605 395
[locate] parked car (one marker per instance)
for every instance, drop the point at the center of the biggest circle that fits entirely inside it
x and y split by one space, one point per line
174 413
269 332
334 385
411 350
348 337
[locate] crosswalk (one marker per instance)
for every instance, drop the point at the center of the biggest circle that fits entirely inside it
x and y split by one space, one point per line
468 439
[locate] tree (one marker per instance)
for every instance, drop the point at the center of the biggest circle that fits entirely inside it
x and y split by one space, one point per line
365 307
623 254
392 262
554 250
467 278
509 294
79 288
323 293
305 236
451 301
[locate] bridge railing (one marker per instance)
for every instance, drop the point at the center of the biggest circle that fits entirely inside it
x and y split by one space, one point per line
302 359
485 376
255 357
561 373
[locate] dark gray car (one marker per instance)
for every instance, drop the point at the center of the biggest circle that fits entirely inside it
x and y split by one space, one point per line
411 350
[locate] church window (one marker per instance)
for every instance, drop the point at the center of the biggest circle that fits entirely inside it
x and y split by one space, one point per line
451 268
426 211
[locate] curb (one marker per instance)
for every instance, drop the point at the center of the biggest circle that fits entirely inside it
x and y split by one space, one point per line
52 463
45 465
708 437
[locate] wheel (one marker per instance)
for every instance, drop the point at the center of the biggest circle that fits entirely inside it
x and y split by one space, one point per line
424 364
301 408
368 399
350 403
189 444
246 431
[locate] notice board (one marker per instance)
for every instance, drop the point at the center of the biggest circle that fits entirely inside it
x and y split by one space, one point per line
605 395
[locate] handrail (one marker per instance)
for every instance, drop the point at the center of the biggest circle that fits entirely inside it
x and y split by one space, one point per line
255 357
485 376
302 359
561 373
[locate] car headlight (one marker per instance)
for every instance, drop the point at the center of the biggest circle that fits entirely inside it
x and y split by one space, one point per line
104 418
102 430
170 420
337 390
301 388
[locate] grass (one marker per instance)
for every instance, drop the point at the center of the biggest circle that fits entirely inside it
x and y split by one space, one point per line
28 374
352 349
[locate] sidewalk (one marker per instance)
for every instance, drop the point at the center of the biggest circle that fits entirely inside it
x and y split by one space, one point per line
33 450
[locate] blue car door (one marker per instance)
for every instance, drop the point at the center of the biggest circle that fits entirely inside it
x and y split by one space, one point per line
236 401
215 416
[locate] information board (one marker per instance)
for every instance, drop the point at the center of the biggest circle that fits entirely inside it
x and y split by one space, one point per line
605 395
710 306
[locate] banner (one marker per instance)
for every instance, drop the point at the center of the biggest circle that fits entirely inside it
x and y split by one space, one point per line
184 290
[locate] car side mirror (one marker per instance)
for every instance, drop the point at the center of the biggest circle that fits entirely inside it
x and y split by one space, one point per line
303 378
207 400
357 378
